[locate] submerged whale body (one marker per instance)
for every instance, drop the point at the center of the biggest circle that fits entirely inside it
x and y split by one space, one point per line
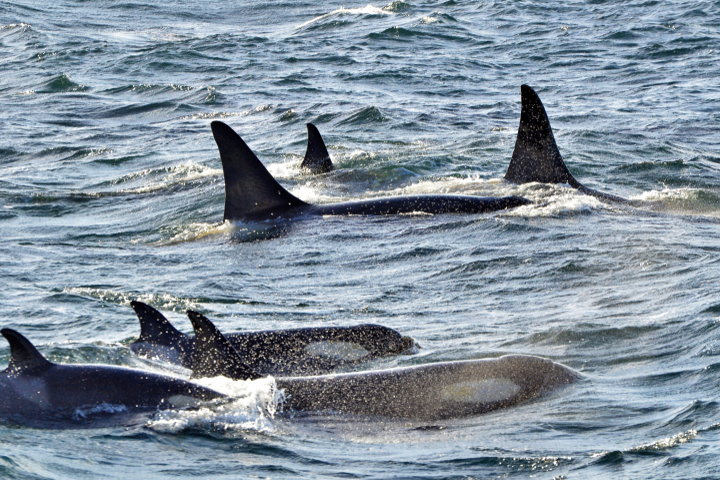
34 390
252 194
536 157
271 352
427 392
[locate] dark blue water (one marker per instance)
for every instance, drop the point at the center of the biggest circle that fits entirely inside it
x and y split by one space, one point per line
111 190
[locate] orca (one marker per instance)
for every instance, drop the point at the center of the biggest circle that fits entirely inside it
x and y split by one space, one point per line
297 351
252 194
536 157
35 391
433 391
317 159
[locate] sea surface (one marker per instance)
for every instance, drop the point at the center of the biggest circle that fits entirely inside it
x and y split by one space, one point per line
111 190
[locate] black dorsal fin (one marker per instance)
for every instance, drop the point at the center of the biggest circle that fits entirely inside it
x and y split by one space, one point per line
155 328
250 191
213 354
317 158
24 357
536 157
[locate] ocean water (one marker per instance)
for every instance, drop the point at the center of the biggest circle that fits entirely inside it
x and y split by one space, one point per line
111 190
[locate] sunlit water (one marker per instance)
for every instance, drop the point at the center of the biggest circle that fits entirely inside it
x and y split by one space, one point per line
111 190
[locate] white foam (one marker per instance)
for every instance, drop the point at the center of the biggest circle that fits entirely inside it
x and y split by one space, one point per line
289 168
197 231
667 194
251 405
683 200
16 26
366 10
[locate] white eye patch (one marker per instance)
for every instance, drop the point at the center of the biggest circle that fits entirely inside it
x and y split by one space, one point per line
480 391
336 350
183 401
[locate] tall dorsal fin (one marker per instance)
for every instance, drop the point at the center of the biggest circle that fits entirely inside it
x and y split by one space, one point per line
536 157
317 158
154 327
250 191
213 354
24 357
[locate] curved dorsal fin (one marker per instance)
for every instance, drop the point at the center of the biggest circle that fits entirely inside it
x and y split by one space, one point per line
154 327
24 357
317 158
250 191
213 354
536 157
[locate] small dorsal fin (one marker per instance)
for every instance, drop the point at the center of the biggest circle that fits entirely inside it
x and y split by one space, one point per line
155 328
536 157
317 158
24 357
250 191
213 354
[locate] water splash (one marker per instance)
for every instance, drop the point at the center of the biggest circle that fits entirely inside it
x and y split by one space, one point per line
103 408
252 406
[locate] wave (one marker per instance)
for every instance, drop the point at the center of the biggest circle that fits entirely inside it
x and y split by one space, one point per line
367 11
683 200
161 301
151 181
12 29
203 95
60 84
668 443
398 33
169 176
365 115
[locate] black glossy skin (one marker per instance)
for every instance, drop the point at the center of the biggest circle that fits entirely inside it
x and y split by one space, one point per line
317 159
536 157
418 204
427 204
425 392
252 194
62 389
270 352
428 392
274 352
32 389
